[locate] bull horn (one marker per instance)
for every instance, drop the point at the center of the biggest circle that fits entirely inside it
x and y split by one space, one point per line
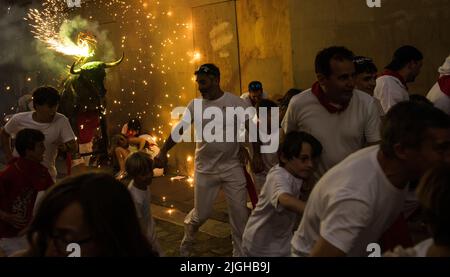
116 63
73 70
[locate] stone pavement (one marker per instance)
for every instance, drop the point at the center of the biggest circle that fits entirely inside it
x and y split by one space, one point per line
171 201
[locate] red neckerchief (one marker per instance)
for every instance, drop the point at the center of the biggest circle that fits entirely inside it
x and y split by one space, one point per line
444 84
388 72
320 94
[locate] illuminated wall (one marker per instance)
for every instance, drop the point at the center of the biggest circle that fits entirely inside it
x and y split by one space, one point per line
375 32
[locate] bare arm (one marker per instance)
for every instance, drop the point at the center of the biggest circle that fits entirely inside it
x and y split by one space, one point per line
291 203
121 155
322 248
161 158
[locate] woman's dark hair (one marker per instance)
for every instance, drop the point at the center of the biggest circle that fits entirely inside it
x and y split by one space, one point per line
26 139
404 55
108 210
407 123
434 196
292 146
284 102
45 96
135 125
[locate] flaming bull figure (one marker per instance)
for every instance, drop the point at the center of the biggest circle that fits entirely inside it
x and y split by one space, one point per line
83 102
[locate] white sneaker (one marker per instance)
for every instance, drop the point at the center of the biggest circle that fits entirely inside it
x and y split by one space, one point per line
186 247
187 243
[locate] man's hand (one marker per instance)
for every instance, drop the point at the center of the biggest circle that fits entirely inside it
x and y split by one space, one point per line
71 147
15 220
161 160
257 163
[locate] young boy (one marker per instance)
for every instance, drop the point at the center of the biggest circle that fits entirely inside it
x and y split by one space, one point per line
139 166
20 183
270 227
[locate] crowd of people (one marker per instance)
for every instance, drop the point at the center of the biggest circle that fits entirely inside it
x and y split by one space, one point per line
360 160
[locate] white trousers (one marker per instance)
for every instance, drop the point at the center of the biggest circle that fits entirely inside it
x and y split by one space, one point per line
207 187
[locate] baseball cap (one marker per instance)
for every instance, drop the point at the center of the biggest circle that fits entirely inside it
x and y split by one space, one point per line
208 68
254 85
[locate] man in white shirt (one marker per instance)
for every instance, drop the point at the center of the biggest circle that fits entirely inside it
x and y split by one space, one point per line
55 126
440 92
404 68
355 202
255 93
217 164
343 119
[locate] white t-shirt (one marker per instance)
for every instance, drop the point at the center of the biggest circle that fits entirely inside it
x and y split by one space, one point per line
350 207
141 200
270 227
57 132
420 250
217 157
246 97
439 99
340 134
390 91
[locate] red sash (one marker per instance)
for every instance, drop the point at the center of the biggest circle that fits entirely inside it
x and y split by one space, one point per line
388 72
444 84
320 94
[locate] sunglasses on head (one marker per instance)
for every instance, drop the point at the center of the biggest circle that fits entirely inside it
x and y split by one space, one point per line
362 60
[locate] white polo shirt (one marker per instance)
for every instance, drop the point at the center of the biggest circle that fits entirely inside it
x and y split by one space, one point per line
350 207
339 133
439 99
390 91
57 132
270 227
217 157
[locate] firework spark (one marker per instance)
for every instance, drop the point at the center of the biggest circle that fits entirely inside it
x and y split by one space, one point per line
45 25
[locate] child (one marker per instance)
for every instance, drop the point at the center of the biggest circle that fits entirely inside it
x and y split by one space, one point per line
20 184
139 167
434 196
140 141
270 227
120 150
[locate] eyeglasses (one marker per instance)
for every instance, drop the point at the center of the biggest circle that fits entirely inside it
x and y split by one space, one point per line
61 242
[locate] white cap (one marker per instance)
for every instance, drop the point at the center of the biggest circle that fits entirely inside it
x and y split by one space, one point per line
445 68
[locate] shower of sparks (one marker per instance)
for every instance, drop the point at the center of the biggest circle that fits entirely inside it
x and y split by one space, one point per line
150 33
45 24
